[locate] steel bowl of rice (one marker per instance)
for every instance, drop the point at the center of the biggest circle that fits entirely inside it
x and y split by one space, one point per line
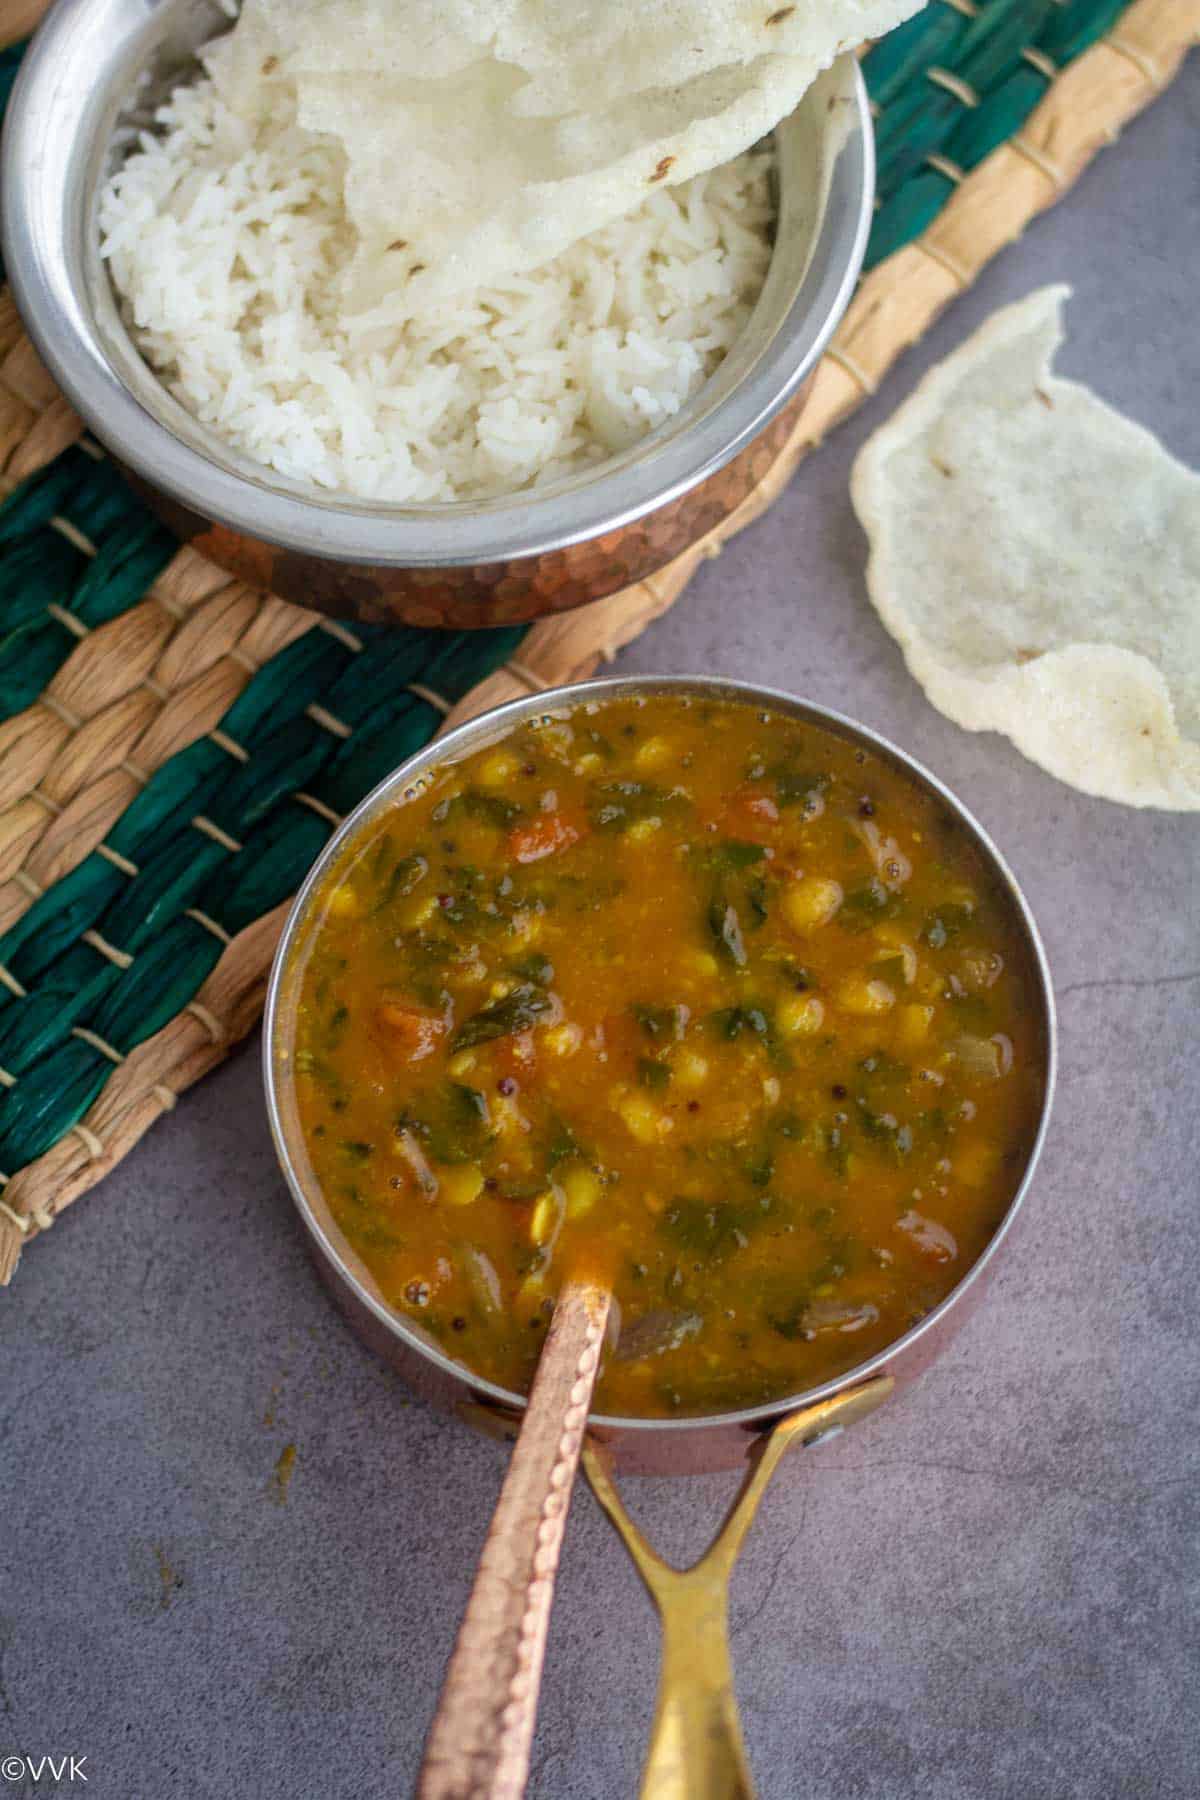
439 315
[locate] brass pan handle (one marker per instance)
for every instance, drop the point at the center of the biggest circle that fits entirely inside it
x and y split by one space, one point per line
696 1749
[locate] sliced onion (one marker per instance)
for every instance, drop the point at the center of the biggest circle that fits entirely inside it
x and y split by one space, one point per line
983 1059
837 1315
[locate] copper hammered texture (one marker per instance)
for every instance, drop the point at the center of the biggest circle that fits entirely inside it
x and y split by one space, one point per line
480 1738
487 594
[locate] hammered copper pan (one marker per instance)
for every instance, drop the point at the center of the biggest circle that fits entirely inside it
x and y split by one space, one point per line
462 597
479 1743
641 1446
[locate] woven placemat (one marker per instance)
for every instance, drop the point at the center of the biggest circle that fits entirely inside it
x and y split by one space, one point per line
175 747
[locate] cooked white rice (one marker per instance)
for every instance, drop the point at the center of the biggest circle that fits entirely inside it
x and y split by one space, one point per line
227 242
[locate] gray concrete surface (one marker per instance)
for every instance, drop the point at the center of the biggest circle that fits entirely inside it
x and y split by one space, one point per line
986 1591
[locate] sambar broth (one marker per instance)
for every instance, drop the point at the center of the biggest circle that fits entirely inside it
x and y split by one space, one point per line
704 1001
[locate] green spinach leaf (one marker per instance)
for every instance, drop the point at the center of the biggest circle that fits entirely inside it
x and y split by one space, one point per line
516 1012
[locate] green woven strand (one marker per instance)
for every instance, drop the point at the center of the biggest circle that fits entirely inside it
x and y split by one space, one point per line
33 1027
909 212
995 39
38 1113
301 675
170 973
988 52
34 648
156 834
284 851
10 62
1000 117
363 761
124 566
930 37
174 792
286 843
157 822
1076 25
90 494
979 131
164 809
40 566
454 666
918 118
165 886
283 761
45 1103
386 740
47 491
918 124
51 925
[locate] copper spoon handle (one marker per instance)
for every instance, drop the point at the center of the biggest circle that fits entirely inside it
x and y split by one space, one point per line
479 1741
696 1750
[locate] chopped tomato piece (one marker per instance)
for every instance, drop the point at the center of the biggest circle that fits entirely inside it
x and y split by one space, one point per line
544 836
412 1031
750 814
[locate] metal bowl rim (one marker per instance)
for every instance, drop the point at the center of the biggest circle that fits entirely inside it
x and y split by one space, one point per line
53 305
492 725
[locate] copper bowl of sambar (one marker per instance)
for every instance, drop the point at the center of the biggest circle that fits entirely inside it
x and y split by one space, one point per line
692 1441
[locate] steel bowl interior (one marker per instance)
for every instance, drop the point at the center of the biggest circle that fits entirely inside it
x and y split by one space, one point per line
96 70
411 777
